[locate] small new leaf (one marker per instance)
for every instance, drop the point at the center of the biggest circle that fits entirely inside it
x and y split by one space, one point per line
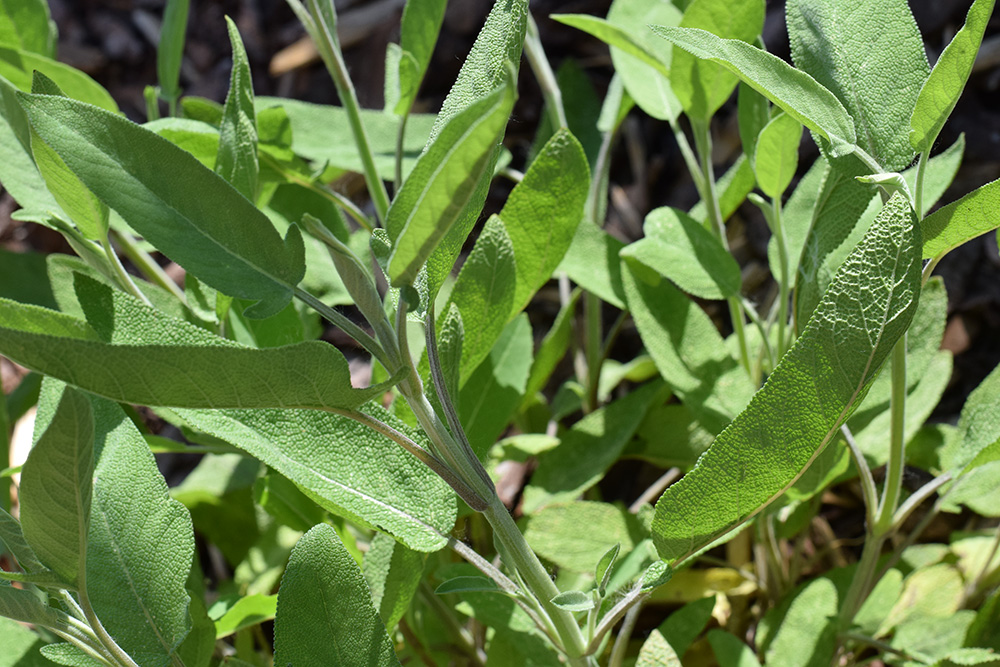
574 601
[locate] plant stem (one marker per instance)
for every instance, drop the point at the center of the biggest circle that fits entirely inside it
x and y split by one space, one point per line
107 641
894 472
918 195
624 634
784 279
868 490
526 563
147 265
703 144
443 612
123 278
345 325
593 349
328 45
973 586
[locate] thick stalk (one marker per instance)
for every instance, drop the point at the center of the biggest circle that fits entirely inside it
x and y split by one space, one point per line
535 577
539 64
894 468
329 48
703 144
620 646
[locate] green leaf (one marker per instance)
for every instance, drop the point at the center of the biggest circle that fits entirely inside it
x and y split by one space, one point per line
129 352
141 544
12 537
952 225
807 636
247 612
574 601
587 450
419 30
730 651
858 52
941 90
686 347
190 216
323 594
443 182
467 585
552 348
28 26
605 566
979 425
170 49
776 156
56 482
25 606
554 534
753 113
237 158
647 84
484 294
86 211
393 573
494 390
657 652
543 211
703 87
592 263
284 501
21 645
673 239
18 67
807 396
797 93
331 460
616 37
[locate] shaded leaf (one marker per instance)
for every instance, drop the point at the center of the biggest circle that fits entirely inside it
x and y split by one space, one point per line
237 158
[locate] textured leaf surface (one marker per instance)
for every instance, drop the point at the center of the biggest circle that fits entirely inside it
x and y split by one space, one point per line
950 226
858 51
484 294
12 537
679 248
443 182
129 352
592 262
170 48
344 466
141 544
797 93
192 217
656 651
18 67
807 635
237 158
941 90
554 533
979 424
702 87
807 396
543 211
419 30
56 483
323 595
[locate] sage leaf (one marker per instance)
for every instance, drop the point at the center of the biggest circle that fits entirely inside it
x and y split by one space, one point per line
443 182
25 606
132 353
878 48
393 573
797 93
543 211
602 574
686 347
616 36
657 652
484 294
809 394
12 538
467 585
191 216
776 156
587 450
86 211
807 636
323 594
554 534
552 349
574 601
141 544
753 113
941 90
491 64
326 454
18 67
960 221
979 425
170 49
495 388
419 30
648 85
673 239
247 612
237 157
28 25
592 263
57 481
730 651
702 87
21 645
